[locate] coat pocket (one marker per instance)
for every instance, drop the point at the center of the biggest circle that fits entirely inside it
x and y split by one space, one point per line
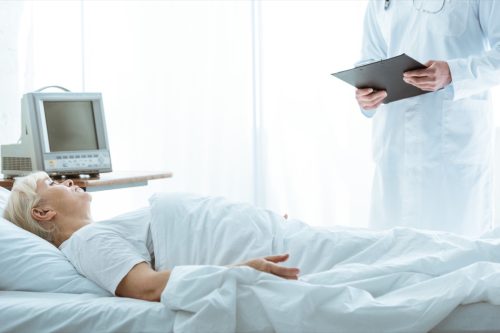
467 131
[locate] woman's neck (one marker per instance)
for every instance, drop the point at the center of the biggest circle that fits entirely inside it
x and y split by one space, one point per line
67 227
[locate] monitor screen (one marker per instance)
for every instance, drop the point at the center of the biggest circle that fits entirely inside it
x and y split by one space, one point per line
70 125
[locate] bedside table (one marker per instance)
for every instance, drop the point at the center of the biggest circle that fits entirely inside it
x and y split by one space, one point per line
108 180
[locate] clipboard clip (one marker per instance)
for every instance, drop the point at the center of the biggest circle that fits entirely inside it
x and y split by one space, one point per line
387 3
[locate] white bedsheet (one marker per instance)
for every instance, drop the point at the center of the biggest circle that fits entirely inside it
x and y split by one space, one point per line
352 281
35 312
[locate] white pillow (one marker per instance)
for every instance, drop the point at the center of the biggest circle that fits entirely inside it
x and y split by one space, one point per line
29 263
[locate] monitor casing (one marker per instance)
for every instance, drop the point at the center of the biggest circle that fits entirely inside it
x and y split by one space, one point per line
32 153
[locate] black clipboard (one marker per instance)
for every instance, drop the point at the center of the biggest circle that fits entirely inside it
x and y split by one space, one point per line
385 75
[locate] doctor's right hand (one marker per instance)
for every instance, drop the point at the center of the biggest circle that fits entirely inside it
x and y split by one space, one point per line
370 99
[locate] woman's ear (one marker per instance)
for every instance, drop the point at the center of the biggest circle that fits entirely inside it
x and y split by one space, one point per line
43 214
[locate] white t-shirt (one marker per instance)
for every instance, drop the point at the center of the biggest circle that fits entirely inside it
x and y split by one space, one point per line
106 251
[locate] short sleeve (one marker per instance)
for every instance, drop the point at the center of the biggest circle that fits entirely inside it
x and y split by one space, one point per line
105 258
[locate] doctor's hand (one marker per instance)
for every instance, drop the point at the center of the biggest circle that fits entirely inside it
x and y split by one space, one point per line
269 265
370 99
437 75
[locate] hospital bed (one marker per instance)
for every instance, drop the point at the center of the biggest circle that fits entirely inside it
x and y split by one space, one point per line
55 298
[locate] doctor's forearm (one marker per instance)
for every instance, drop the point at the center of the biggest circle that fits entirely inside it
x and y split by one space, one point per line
481 70
476 74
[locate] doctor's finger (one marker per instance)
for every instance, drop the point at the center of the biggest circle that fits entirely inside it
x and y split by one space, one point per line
428 87
429 69
373 105
363 91
373 98
418 72
420 80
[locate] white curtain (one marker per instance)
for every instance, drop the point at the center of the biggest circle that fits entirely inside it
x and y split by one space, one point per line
235 97
317 155
11 30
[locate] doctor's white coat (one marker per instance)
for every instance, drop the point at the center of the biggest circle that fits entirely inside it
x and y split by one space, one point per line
434 152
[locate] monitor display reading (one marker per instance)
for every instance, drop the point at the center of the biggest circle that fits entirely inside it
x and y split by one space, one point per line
70 125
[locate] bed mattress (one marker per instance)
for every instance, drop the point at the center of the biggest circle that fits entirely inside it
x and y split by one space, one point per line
26 312
49 312
476 317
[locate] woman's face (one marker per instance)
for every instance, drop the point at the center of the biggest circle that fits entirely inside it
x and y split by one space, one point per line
63 196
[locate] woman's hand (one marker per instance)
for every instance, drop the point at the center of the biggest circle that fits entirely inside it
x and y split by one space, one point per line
369 99
269 265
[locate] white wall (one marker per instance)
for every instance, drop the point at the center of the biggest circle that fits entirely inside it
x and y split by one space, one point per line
10 31
177 81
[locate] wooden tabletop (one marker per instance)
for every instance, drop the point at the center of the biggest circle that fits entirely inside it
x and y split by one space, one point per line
108 180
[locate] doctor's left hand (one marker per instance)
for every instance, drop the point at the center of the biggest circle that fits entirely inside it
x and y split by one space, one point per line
437 75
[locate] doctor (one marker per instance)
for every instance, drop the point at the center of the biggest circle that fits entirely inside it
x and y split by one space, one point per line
434 152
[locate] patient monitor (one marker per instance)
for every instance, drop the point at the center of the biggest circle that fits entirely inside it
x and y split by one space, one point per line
63 133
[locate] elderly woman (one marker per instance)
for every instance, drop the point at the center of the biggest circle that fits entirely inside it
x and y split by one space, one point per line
116 254
351 280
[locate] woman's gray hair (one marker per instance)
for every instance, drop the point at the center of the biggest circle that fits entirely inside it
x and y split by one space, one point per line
23 198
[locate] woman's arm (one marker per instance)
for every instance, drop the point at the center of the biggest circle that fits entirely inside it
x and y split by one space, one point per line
143 282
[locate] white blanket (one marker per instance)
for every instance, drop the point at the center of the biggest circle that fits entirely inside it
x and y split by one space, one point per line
351 280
